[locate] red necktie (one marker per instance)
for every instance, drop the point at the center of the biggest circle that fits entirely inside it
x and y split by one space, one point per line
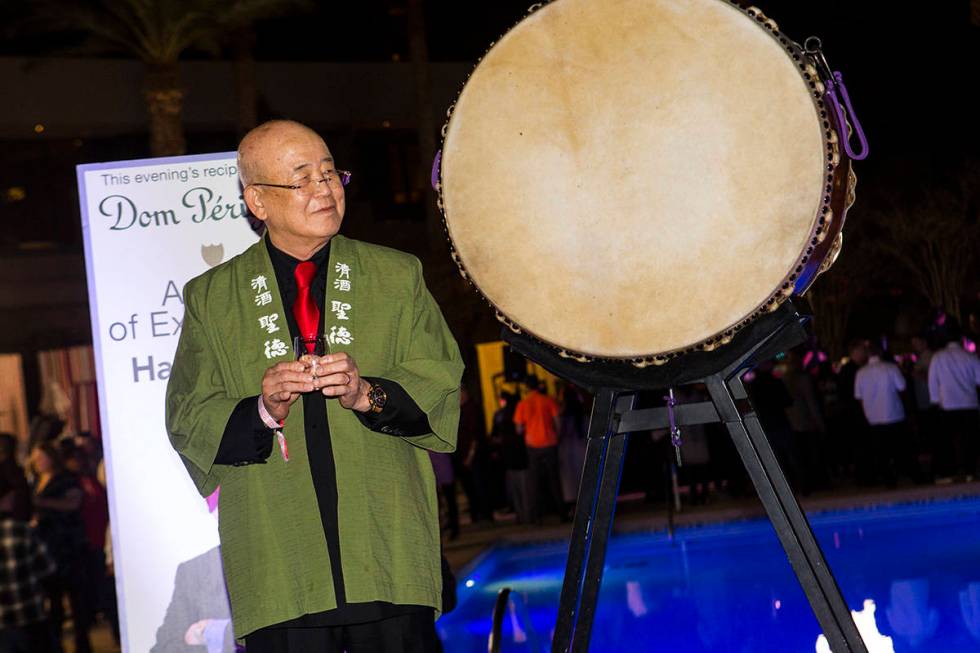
304 308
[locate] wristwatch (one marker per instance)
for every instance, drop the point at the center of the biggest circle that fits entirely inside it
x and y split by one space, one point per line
377 397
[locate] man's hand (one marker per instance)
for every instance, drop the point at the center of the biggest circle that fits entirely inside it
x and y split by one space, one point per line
338 376
194 636
282 384
209 633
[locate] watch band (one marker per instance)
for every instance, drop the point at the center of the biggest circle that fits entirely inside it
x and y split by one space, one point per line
377 398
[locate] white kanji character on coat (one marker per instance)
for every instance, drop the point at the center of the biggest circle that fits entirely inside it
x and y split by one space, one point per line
259 283
275 348
340 309
268 322
339 336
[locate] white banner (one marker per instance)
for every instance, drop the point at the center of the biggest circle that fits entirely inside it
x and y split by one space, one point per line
149 226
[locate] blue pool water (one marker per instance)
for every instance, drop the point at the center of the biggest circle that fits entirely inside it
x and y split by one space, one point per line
729 587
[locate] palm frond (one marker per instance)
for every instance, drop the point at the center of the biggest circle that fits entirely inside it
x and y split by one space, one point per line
155 31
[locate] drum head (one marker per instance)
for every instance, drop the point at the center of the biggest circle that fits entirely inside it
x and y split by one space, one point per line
627 178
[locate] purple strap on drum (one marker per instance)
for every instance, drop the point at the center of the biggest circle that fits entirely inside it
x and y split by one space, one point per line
436 163
832 86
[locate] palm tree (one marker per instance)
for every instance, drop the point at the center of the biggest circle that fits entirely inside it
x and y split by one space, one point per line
427 127
158 32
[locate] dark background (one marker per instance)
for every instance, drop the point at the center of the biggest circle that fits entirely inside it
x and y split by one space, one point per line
911 70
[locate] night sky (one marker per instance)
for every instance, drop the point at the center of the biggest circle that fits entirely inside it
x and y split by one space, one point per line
910 66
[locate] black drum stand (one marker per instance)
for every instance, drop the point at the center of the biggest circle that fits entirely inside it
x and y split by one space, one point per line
616 386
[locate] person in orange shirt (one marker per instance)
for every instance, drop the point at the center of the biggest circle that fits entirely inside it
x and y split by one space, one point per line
536 418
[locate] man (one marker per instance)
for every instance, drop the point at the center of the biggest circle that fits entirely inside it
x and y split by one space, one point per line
513 455
536 418
953 379
771 399
330 543
877 386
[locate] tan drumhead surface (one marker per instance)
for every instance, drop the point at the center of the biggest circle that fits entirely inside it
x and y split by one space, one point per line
630 177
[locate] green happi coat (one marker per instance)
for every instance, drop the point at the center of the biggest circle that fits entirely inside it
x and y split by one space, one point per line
273 545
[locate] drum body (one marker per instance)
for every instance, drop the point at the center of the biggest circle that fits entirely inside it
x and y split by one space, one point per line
634 179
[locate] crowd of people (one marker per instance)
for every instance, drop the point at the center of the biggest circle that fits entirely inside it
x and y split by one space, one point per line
877 418
54 518
527 464
881 418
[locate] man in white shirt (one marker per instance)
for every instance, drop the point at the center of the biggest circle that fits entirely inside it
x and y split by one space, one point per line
954 375
877 386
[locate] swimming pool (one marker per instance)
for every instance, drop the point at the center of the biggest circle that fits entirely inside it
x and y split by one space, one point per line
729 587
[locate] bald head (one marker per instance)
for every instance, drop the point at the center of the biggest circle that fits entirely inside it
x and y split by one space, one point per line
291 184
260 143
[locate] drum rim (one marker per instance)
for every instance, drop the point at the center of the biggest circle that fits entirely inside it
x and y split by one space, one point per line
836 163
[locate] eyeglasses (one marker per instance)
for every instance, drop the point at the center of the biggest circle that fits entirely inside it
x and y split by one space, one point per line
335 178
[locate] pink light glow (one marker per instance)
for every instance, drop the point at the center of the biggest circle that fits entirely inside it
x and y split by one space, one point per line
212 499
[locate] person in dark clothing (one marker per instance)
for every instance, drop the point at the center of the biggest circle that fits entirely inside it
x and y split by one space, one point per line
57 509
806 420
572 426
770 398
25 566
926 413
95 518
512 453
21 491
442 467
837 451
855 426
470 460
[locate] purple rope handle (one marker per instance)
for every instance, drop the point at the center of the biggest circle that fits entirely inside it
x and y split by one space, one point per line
832 85
436 166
